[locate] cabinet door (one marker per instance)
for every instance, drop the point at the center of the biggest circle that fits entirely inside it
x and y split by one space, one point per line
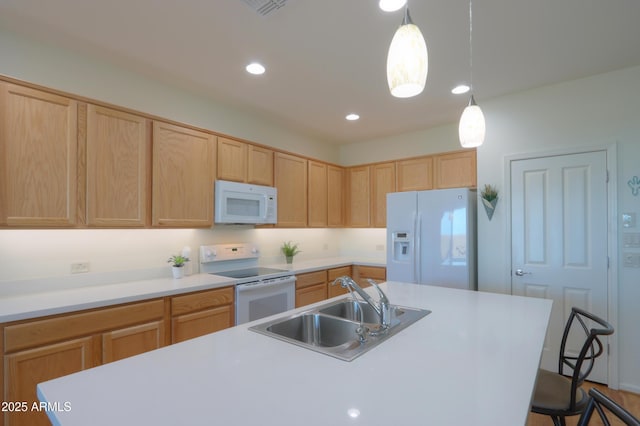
118 168
383 181
130 341
317 194
361 273
232 160
24 370
260 166
39 164
182 176
188 326
335 196
415 174
308 295
358 190
291 181
332 274
455 170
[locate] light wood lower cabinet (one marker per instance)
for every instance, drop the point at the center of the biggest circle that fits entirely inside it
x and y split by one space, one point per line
311 287
197 314
129 341
332 274
361 273
44 349
25 369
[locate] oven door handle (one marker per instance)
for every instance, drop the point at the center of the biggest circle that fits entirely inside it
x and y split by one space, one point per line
265 284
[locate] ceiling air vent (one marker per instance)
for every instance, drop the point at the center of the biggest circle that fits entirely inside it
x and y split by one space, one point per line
265 7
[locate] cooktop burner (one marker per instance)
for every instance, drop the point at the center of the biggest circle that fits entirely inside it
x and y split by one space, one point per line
248 272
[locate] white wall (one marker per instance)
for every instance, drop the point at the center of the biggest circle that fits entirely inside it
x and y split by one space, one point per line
596 111
431 141
82 75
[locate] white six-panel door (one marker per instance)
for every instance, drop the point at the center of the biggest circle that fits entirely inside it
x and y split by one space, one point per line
559 240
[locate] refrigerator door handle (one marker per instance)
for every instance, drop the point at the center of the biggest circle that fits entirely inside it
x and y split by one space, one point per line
417 225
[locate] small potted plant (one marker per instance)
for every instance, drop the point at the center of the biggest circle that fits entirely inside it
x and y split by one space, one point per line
289 250
177 265
489 197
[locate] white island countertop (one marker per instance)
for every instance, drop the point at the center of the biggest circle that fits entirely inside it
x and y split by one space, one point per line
473 360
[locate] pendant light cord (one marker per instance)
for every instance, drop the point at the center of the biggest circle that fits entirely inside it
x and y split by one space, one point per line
471 45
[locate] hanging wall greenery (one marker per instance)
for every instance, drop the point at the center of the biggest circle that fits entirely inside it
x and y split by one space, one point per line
489 197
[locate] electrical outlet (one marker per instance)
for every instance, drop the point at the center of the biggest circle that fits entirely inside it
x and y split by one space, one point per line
79 267
325 246
380 247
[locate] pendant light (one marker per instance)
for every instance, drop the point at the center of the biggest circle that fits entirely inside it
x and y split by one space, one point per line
471 129
407 61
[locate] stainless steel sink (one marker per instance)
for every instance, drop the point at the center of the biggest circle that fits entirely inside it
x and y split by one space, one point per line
315 329
331 328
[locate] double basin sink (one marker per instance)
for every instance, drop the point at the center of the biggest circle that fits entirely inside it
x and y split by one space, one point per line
333 328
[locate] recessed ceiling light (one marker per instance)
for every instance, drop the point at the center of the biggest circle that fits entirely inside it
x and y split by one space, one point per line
460 89
255 68
352 117
391 5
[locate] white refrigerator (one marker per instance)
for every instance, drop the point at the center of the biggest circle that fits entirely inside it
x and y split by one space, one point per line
431 237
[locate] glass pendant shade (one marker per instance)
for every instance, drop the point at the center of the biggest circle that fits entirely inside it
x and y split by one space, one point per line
472 127
407 61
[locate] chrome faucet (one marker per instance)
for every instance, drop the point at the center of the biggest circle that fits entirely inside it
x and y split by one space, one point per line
382 308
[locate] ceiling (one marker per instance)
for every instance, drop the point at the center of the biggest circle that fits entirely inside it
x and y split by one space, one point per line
327 58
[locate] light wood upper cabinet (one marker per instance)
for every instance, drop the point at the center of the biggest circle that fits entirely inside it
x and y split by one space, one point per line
243 162
358 193
232 160
415 174
335 196
39 163
260 166
383 181
455 169
183 176
118 168
317 194
291 181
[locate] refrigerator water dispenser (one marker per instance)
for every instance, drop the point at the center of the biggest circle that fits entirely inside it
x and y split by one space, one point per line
401 246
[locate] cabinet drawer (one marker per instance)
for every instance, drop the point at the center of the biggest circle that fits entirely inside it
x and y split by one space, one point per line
374 272
62 327
201 300
311 278
338 272
197 324
311 294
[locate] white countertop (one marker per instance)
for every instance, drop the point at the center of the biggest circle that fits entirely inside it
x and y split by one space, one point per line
473 360
67 294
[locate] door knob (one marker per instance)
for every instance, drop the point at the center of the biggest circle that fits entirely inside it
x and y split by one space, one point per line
520 272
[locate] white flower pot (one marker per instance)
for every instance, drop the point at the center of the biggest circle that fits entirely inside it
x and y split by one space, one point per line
178 271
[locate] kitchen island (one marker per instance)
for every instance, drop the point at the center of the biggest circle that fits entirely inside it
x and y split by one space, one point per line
473 360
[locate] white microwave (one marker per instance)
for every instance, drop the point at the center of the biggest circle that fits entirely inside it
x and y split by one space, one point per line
245 203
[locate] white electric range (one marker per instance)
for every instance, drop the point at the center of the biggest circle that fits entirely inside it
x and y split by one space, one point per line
260 291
